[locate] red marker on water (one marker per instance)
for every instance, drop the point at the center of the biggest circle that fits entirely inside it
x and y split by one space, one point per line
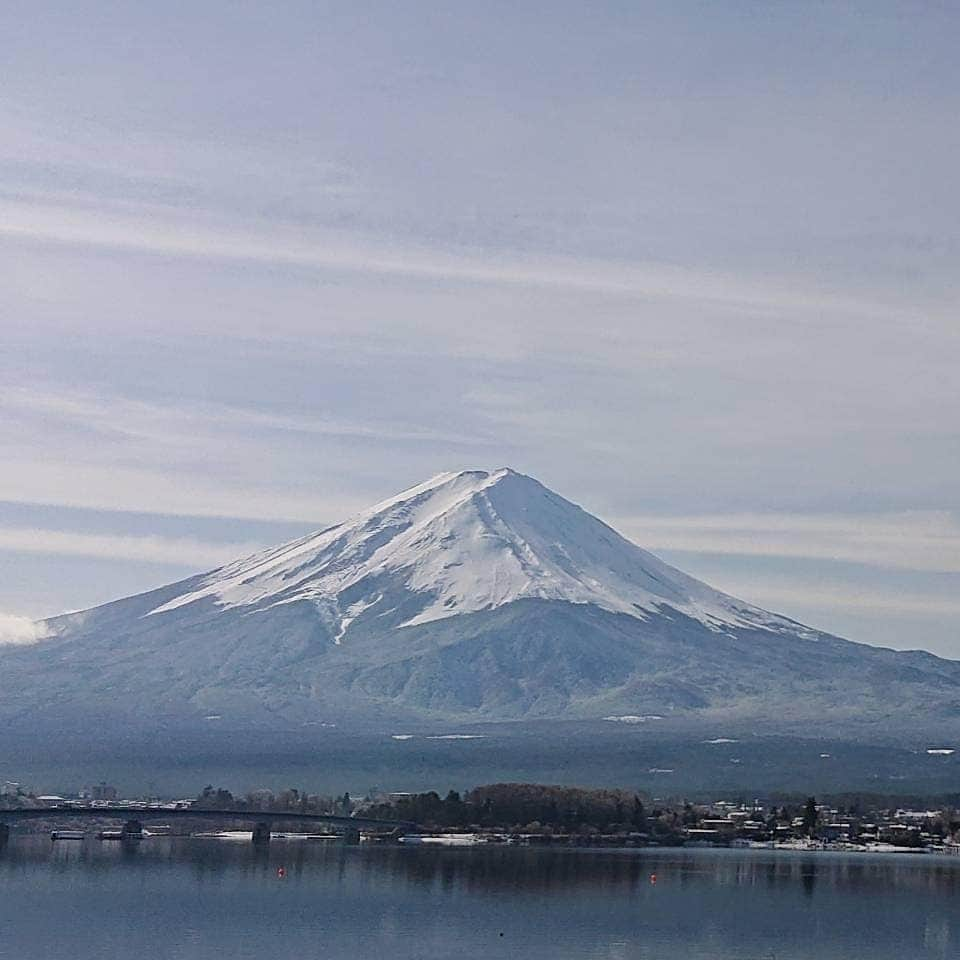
653 878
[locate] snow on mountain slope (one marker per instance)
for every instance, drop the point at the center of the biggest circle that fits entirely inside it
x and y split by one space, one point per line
465 542
514 604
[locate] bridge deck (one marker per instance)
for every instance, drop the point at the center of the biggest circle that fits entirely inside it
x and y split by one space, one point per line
189 813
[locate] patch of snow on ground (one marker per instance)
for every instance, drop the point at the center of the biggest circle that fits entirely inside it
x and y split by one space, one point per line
231 835
630 718
440 736
457 736
353 612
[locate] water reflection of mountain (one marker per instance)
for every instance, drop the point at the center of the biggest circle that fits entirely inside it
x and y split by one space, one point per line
192 899
499 869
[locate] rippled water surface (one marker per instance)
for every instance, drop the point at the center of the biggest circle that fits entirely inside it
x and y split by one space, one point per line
187 899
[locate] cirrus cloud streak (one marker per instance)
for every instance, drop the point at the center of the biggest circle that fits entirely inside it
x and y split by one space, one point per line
926 540
175 551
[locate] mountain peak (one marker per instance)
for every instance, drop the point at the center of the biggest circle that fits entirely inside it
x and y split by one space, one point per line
463 542
462 482
474 594
457 479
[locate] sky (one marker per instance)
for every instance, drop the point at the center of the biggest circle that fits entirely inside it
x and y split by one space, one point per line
693 265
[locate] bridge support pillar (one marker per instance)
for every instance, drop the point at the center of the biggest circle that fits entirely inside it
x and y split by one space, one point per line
4 833
261 833
132 831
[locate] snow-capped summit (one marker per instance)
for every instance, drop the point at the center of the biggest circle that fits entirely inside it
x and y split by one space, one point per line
460 543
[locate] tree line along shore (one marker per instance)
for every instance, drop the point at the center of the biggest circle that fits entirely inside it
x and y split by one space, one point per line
550 813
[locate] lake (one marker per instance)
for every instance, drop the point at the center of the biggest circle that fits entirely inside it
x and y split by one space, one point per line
185 899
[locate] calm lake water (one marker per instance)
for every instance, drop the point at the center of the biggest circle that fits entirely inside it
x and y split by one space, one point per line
187 899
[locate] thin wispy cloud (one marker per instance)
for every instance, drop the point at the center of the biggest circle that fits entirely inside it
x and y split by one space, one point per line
175 551
177 422
799 593
99 486
928 541
17 631
162 234
201 459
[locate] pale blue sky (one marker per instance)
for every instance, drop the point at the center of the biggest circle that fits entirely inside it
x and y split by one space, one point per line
693 265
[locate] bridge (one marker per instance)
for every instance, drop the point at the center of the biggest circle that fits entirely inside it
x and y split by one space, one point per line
135 815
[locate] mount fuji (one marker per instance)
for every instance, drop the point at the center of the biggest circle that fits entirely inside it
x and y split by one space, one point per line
474 597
